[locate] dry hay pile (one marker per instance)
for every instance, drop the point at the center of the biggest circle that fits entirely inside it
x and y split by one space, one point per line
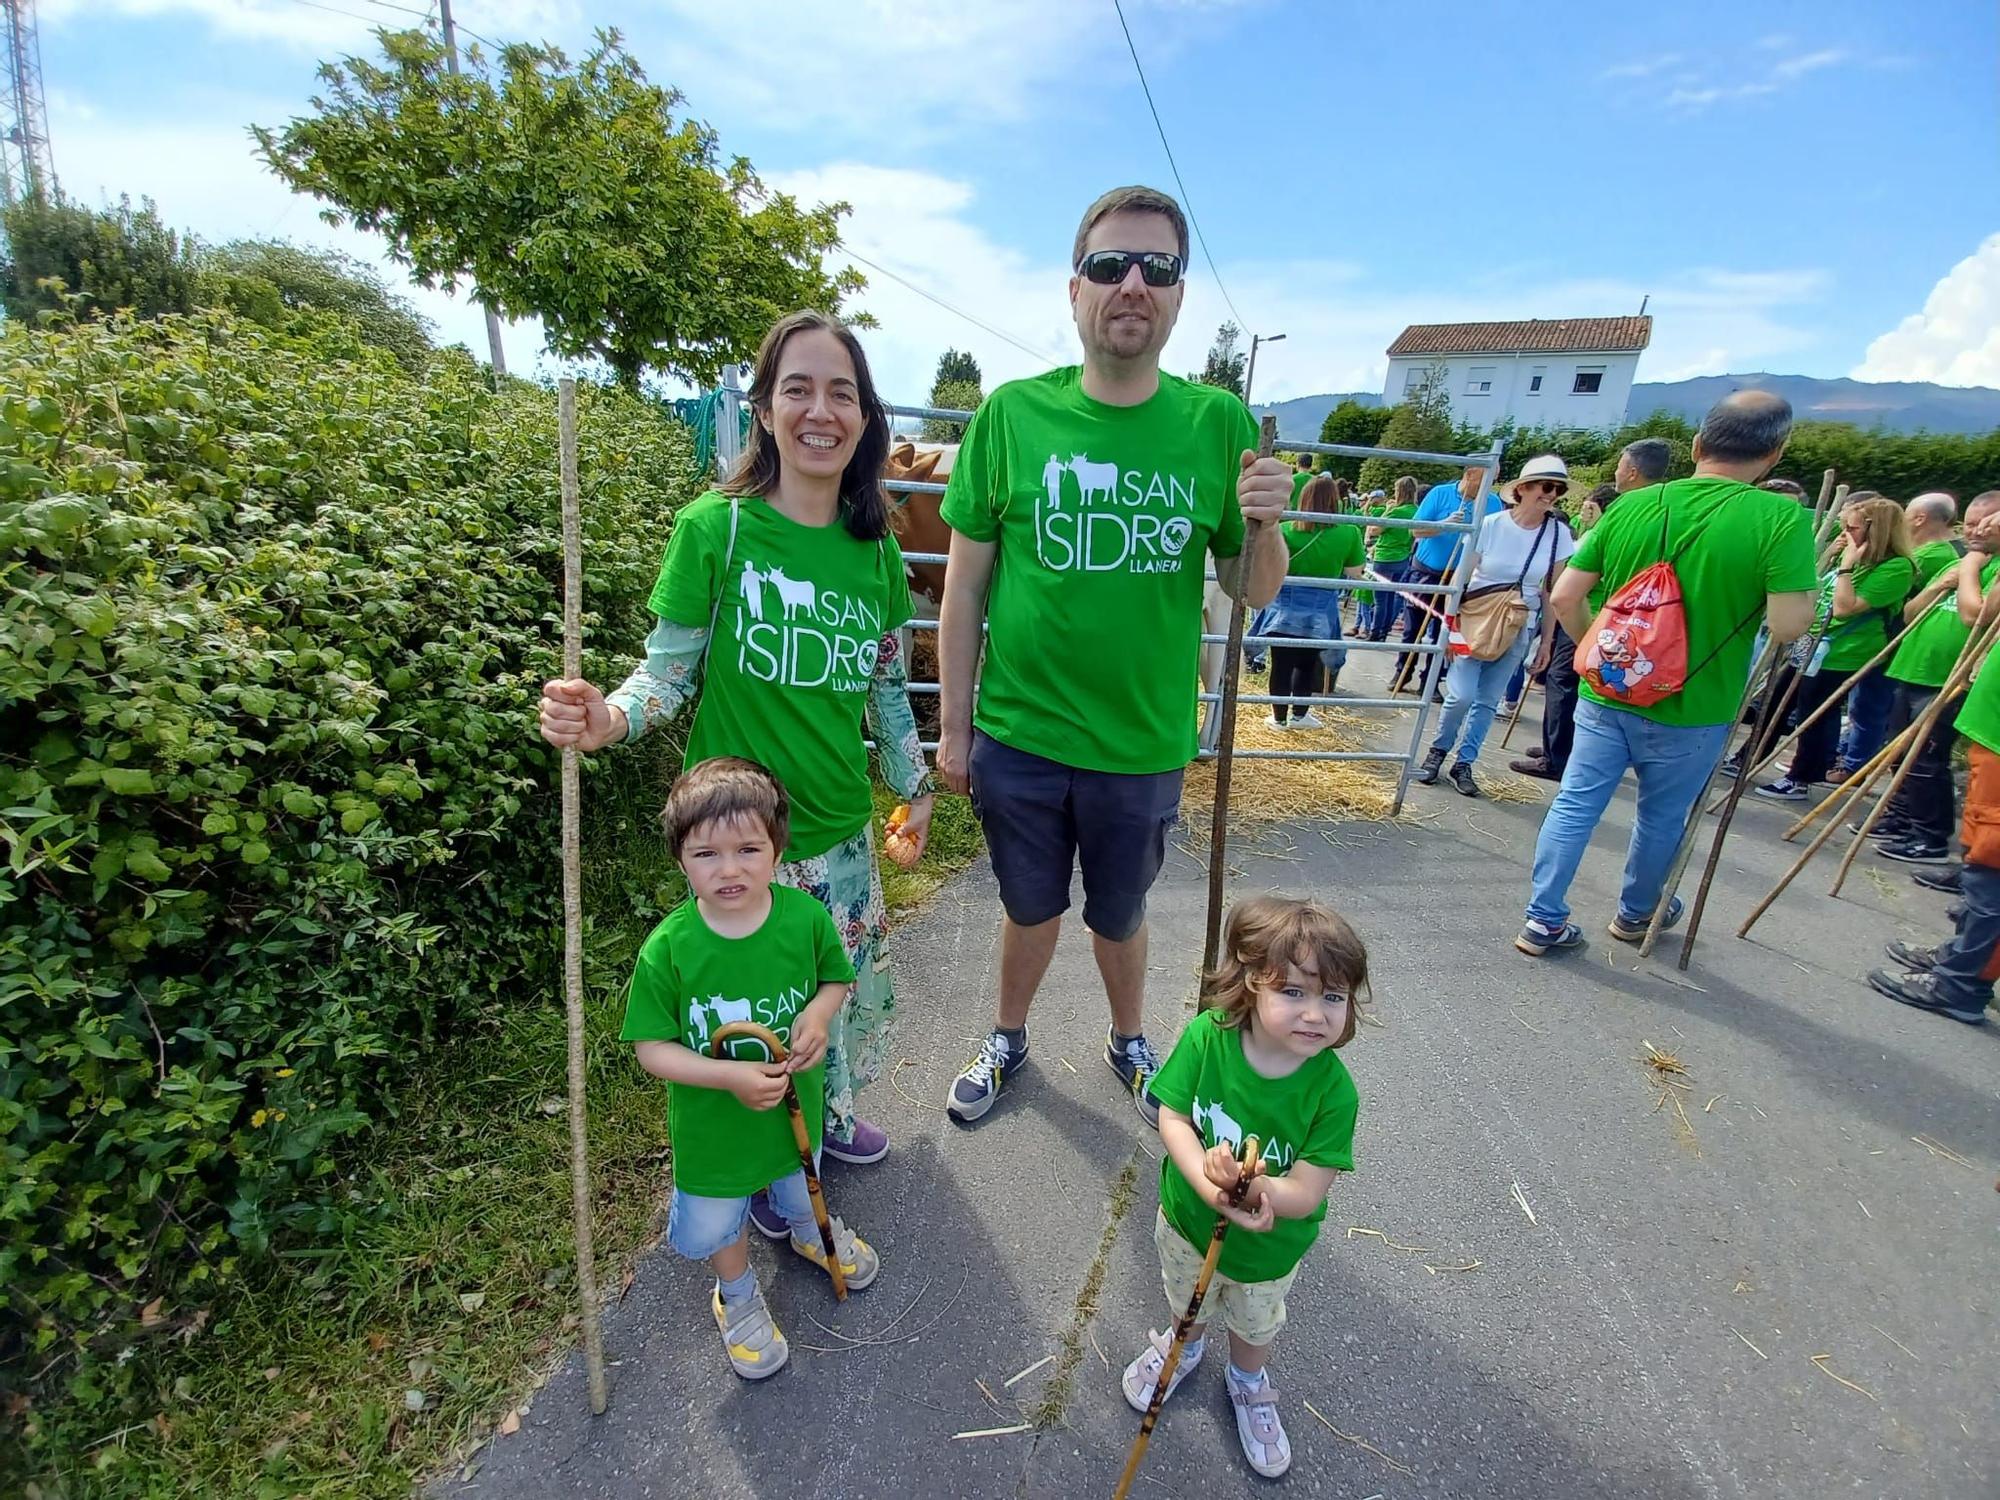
1264 792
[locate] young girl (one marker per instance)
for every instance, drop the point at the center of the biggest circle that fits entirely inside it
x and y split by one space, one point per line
740 948
1319 549
1259 1060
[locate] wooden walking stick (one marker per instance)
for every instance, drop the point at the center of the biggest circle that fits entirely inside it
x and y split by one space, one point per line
1225 744
1768 668
1252 1162
572 871
1838 797
1518 702
1952 688
1970 655
722 1037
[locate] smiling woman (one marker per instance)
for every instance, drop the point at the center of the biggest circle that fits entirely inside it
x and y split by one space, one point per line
778 605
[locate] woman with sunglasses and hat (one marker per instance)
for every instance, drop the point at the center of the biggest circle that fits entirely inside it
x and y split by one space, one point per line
1517 554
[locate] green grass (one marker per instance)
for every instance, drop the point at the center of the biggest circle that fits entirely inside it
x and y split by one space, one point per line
461 1285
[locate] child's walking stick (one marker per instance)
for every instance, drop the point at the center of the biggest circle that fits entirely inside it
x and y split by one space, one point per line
724 1035
572 869
1252 1161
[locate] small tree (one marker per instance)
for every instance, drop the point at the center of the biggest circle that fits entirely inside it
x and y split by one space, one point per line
952 395
283 286
1351 422
115 257
956 364
1422 423
568 192
1225 360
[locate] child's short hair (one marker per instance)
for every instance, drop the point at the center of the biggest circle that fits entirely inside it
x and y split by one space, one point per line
723 790
1263 935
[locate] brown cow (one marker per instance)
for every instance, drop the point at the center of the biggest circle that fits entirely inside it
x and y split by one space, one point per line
919 528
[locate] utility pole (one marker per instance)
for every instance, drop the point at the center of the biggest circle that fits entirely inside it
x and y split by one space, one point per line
29 170
497 351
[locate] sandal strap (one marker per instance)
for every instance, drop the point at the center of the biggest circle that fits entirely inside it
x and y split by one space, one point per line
1264 1395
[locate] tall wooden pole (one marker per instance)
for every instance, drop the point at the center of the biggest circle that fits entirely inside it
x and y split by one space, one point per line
572 869
1225 748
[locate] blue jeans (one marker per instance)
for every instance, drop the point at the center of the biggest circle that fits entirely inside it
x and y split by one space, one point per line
700 1228
1388 606
1867 719
1333 658
1672 762
1517 684
1472 692
1254 657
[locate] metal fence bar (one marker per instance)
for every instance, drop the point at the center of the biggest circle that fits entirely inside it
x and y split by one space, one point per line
931 413
1324 643
1355 450
1336 701
1347 755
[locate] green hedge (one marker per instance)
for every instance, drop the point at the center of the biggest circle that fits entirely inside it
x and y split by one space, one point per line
272 612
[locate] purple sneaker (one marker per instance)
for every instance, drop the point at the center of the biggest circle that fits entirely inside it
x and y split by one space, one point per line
866 1143
766 1219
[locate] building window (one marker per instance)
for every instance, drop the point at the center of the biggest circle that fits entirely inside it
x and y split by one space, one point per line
1535 380
1412 379
1588 381
1479 380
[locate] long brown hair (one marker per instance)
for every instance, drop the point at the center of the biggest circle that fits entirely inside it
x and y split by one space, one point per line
864 506
1886 531
1263 935
1406 490
1318 497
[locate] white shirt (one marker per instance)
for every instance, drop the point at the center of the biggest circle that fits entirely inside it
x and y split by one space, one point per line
1503 550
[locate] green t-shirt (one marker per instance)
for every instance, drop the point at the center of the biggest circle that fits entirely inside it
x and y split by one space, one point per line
1979 718
1746 543
1931 645
1308 1116
690 980
1884 587
804 610
1395 542
1322 551
1101 515
1932 559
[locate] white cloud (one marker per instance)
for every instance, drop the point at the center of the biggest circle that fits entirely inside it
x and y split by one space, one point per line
1785 72
1955 340
1644 68
1811 62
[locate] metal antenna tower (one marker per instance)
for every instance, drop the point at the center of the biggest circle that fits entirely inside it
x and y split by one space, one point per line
26 168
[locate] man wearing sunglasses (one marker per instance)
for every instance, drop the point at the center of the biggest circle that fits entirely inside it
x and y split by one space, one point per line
1083 504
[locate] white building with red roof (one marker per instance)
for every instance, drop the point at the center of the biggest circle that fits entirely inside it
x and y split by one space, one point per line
1544 372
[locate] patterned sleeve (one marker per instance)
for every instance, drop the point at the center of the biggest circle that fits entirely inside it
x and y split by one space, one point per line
665 680
893 726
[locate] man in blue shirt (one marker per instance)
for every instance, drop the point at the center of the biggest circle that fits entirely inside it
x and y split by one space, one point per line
1437 555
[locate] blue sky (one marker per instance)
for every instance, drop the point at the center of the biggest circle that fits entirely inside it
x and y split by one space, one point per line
1804 188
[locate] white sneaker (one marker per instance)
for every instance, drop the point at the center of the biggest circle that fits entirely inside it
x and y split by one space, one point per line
1257 1426
1144 1372
1308 720
1272 721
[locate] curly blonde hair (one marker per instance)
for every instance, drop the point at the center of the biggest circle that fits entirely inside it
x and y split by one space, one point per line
1265 933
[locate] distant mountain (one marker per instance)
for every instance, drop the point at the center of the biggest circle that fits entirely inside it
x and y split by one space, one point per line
1895 406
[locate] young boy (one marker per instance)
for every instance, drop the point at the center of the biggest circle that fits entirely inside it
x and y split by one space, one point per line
740 949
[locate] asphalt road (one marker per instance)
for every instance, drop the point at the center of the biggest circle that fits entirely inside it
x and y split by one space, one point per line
1653 1332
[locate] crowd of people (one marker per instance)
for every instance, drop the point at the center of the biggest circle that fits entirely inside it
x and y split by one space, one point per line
1083 504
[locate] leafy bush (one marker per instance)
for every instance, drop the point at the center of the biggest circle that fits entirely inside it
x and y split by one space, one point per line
272 617
109 258
286 286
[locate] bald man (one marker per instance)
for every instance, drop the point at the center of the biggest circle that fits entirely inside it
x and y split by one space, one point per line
1742 555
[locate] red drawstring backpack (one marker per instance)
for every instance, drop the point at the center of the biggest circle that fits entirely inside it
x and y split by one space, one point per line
1637 650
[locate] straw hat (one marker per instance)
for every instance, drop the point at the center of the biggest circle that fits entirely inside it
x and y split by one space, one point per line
1547 466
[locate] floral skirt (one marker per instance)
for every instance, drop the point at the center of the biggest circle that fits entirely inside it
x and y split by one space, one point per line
847 882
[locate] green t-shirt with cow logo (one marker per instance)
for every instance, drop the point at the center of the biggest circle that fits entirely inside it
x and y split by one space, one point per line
689 981
1102 516
1307 1116
786 678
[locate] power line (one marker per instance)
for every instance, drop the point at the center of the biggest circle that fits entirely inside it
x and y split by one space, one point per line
959 311
1186 201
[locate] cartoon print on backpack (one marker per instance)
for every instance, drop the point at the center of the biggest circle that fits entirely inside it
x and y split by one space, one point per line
1620 662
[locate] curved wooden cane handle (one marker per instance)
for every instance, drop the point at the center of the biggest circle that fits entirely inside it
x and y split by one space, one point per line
729 1031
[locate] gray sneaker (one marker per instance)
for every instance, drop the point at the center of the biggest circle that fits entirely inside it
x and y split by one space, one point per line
1258 1427
977 1089
1135 1064
756 1349
1144 1372
859 1264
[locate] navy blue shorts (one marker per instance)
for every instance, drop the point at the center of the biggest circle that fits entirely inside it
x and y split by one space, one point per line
1043 819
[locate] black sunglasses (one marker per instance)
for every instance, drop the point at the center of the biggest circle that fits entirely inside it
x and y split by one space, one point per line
1108 267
